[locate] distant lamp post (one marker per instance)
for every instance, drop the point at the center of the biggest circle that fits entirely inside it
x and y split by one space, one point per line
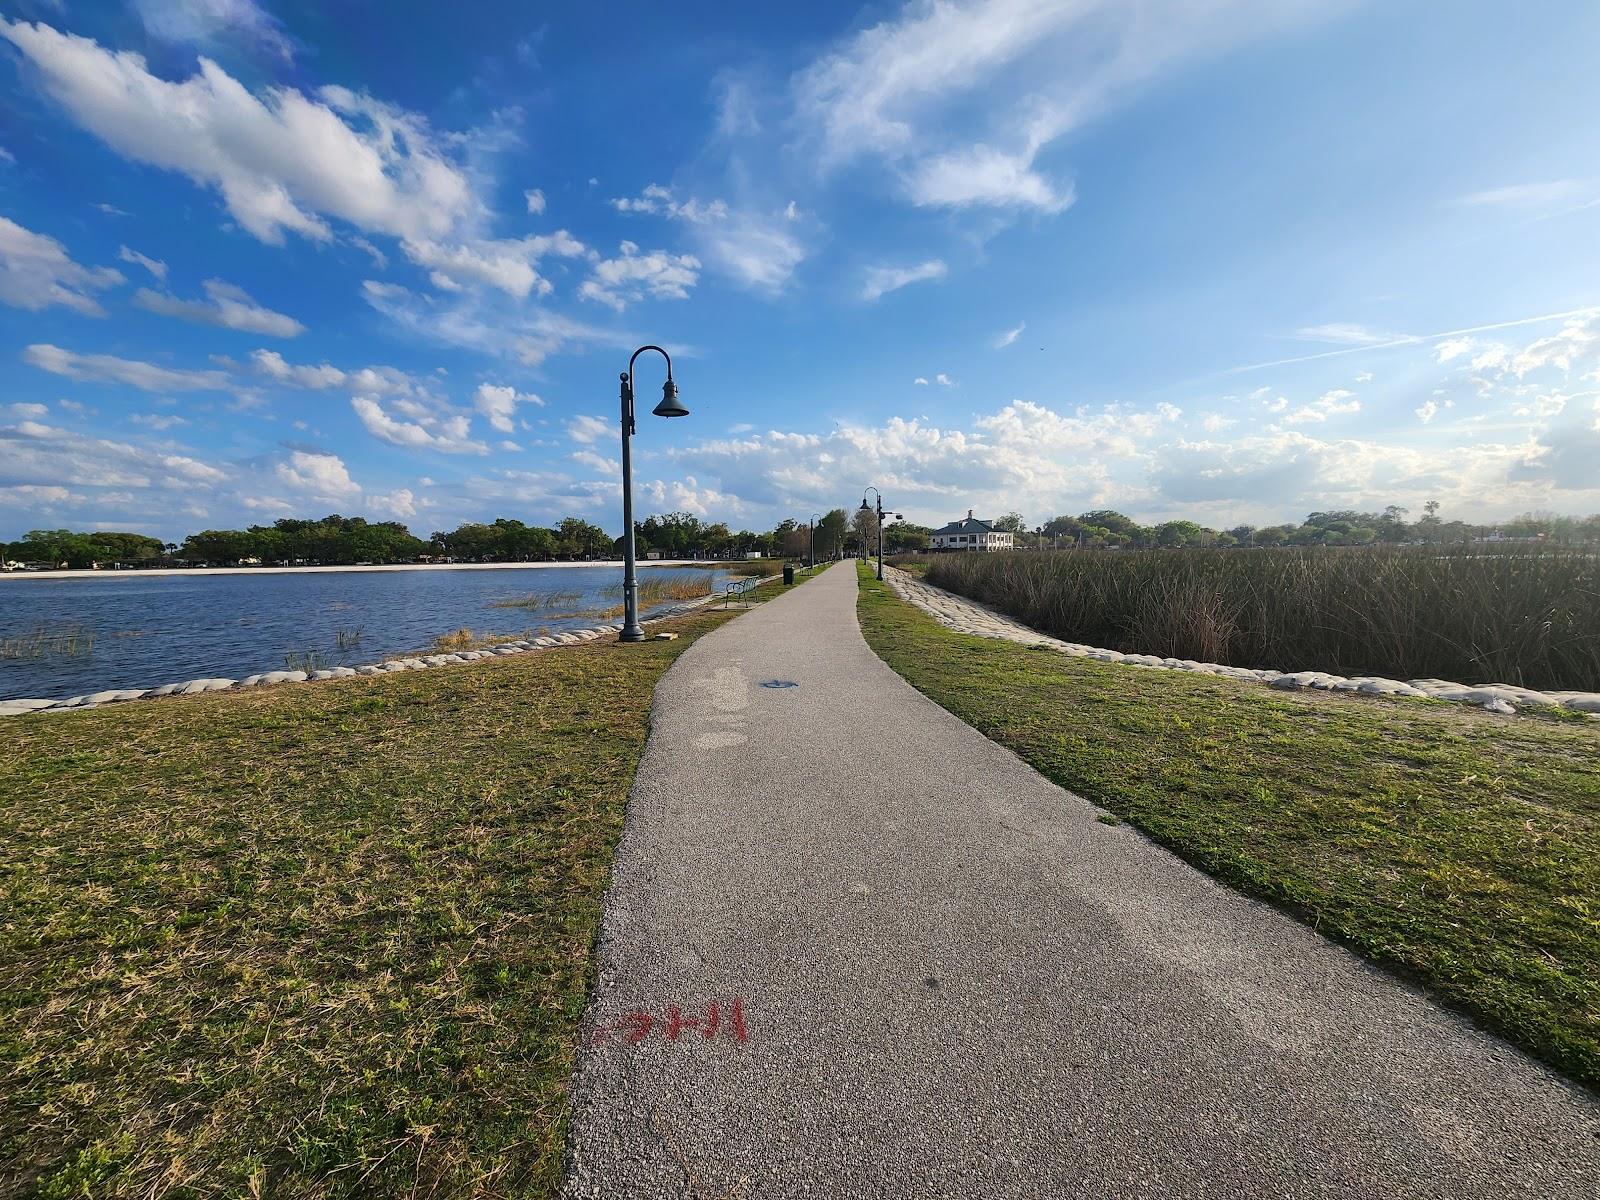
866 508
632 631
811 541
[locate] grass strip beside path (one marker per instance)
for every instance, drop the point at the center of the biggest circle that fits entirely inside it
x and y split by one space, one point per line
320 940
1459 847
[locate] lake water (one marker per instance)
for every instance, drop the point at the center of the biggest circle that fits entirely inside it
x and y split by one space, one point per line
153 629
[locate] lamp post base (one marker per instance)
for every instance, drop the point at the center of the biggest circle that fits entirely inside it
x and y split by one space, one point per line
631 634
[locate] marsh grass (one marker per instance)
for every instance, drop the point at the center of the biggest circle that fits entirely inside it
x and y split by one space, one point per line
1530 618
654 589
659 589
540 601
1461 848
328 941
306 660
62 641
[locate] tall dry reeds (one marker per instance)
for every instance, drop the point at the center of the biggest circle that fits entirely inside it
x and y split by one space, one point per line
1530 618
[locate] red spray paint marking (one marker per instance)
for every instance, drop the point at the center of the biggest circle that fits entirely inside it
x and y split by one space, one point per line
635 1026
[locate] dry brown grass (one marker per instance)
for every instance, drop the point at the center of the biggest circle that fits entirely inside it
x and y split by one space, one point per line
317 941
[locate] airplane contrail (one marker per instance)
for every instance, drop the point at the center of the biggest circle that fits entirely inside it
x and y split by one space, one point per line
1413 340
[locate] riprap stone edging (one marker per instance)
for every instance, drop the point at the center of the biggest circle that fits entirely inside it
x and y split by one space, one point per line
421 662
968 616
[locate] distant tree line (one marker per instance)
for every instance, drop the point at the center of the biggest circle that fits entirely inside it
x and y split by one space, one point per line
62 547
337 540
1107 527
899 537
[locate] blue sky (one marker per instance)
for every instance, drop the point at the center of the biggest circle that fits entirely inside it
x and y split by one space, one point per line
1232 260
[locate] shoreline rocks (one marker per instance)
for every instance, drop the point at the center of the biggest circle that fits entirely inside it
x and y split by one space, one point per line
968 616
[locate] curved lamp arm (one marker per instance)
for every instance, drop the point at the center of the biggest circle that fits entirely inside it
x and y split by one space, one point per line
670 391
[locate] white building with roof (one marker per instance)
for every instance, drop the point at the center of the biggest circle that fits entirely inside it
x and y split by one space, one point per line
970 533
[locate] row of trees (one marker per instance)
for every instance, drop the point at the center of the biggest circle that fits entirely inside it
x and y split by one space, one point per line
338 540
342 540
333 539
1107 527
670 535
62 547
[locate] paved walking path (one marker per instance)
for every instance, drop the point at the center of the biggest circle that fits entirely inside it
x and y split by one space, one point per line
953 982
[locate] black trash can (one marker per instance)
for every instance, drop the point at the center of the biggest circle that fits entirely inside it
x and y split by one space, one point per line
788 573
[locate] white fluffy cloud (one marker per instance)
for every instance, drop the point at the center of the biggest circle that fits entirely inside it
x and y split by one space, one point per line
690 496
632 276
982 175
225 305
32 454
271 364
662 202
882 280
281 161
755 248
158 421
401 503
154 265
159 486
107 368
450 433
508 265
535 199
37 272
527 334
1576 342
1009 336
1281 475
32 497
597 462
319 476
499 404
1023 456
587 429
375 380
208 22
960 100
1335 403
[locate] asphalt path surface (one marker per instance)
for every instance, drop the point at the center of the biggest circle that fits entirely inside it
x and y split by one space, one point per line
952 981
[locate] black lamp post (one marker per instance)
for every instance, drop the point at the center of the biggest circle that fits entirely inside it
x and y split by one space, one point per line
867 509
632 631
811 541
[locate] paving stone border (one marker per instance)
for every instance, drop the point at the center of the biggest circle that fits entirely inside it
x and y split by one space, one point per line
422 662
968 616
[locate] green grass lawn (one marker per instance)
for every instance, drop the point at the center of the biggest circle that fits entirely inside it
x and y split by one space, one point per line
325 940
1459 847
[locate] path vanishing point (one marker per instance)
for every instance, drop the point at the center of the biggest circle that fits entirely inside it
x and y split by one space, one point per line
852 948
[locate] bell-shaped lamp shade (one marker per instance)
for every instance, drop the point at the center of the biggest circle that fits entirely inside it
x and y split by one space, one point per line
669 406
864 507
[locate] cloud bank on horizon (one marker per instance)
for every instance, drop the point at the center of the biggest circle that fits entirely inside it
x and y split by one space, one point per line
989 254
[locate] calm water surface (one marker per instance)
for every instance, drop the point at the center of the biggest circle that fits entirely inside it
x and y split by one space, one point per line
155 629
